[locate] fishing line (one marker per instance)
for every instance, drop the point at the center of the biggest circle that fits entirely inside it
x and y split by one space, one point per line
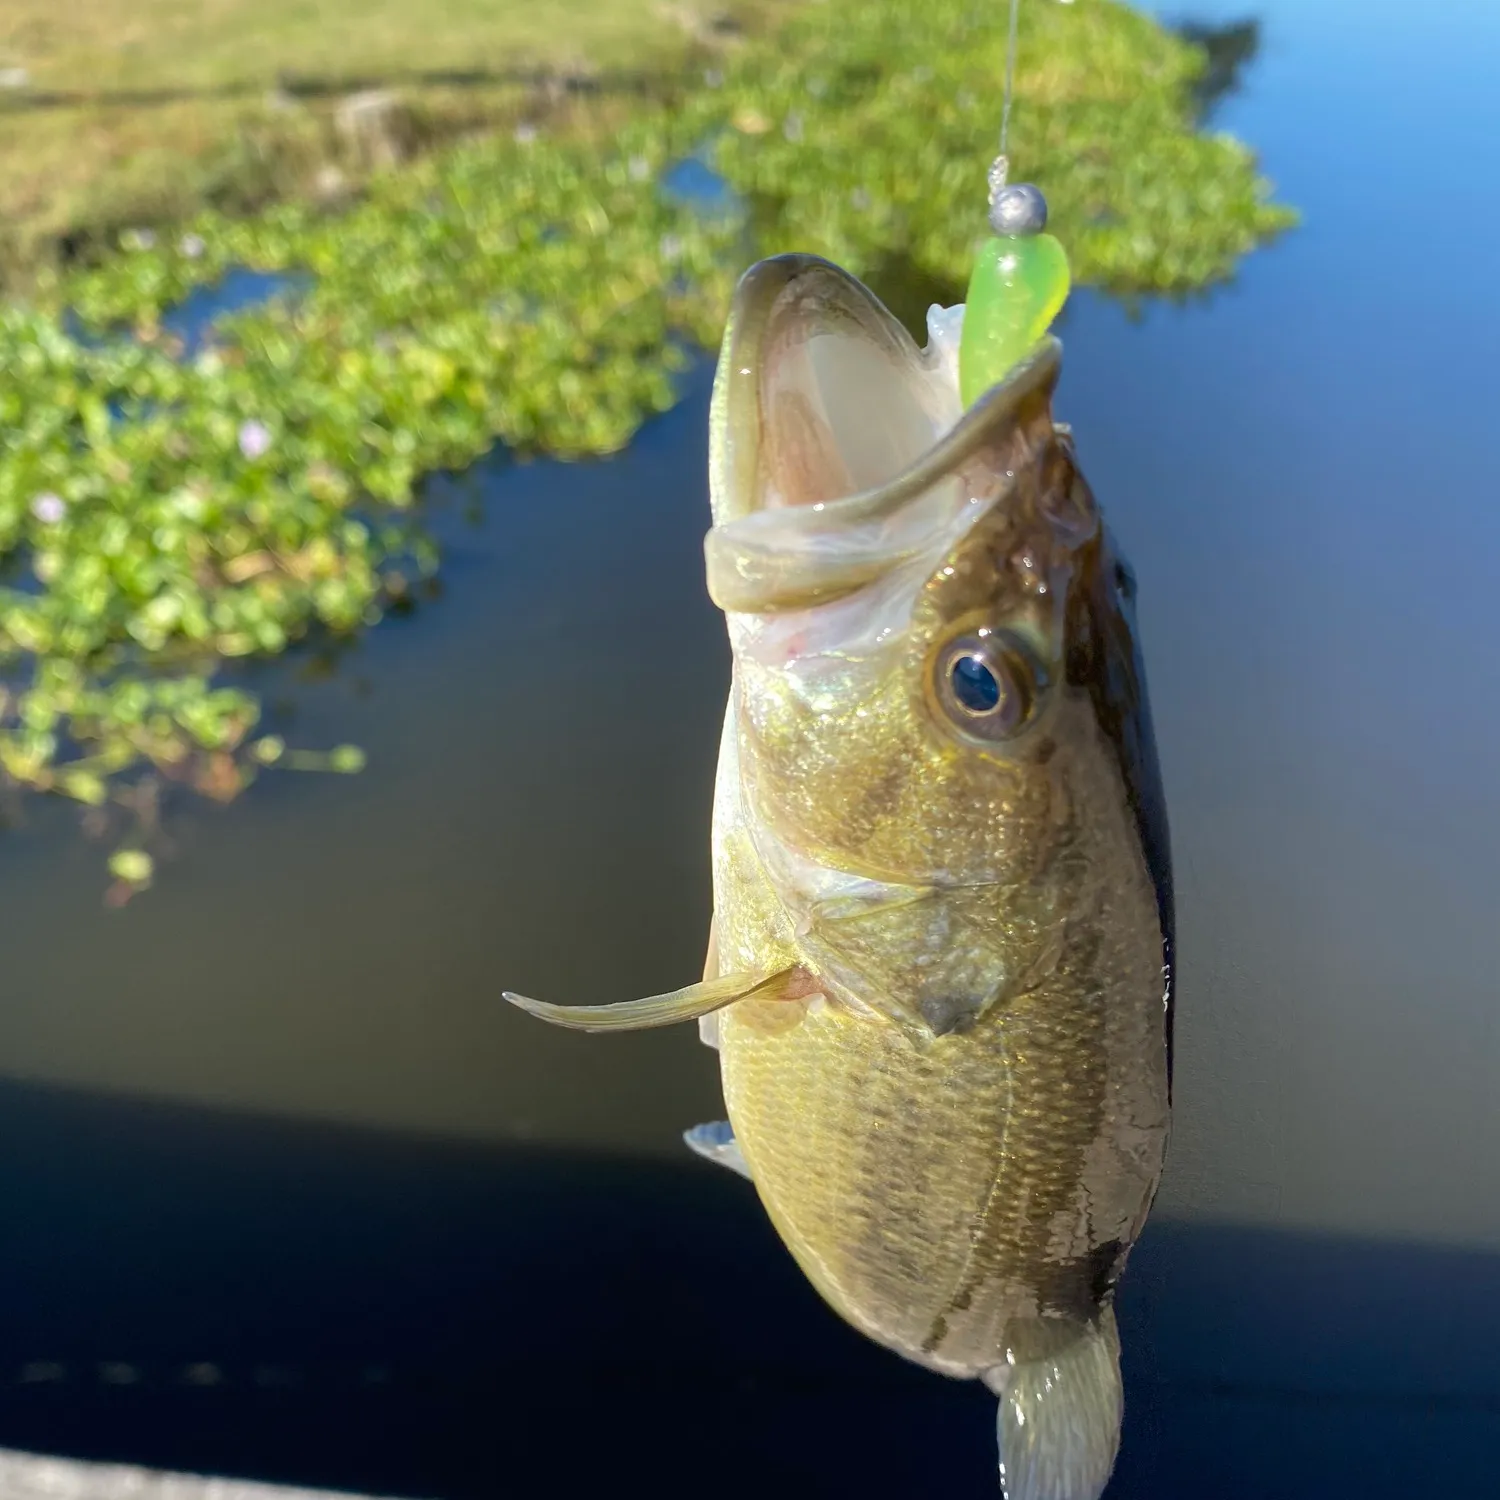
1010 77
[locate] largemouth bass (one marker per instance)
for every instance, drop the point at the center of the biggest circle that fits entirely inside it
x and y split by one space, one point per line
939 977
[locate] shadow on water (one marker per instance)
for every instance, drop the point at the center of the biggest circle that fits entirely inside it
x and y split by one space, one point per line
1231 47
319 1305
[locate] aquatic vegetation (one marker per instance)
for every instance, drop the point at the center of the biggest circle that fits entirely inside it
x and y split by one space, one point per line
160 514
866 129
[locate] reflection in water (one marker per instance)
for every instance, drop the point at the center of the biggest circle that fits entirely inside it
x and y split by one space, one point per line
1231 46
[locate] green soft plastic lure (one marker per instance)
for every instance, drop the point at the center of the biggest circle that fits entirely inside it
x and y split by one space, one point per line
1019 284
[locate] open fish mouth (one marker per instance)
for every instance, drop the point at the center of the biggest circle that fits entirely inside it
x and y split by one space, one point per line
839 450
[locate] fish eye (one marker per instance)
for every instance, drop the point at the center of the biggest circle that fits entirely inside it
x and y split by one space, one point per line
974 685
986 683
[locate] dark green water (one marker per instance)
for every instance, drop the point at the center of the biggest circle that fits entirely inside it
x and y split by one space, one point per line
274 1118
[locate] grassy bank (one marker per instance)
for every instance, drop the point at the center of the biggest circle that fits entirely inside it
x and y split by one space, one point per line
116 113
163 514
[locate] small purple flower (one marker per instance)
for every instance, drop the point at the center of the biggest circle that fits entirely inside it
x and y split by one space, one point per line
255 438
49 509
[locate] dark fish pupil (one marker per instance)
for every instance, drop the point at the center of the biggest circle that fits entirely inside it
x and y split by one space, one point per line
975 686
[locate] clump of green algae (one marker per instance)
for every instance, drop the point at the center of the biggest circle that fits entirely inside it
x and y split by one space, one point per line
159 515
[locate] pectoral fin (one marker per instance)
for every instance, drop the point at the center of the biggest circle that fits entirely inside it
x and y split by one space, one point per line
666 1010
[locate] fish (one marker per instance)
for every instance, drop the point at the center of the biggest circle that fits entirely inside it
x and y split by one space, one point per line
939 971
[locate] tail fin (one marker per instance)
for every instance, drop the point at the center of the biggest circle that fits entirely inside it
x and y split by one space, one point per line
1060 1417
